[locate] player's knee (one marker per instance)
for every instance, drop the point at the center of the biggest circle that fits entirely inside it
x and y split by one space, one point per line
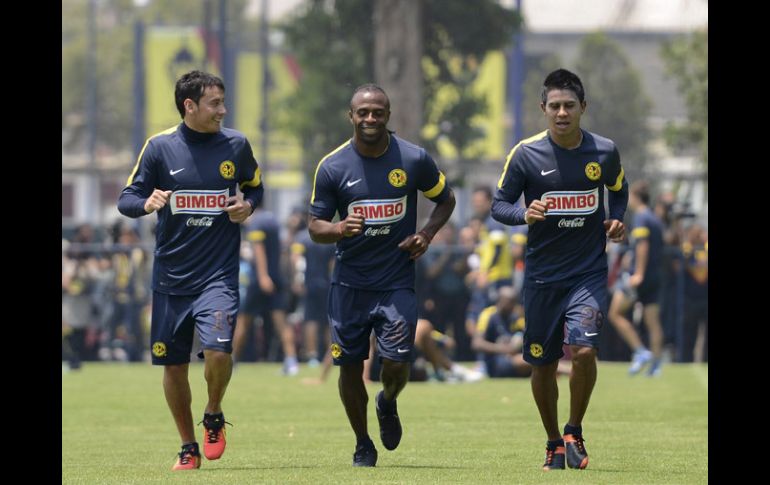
176 371
216 357
582 355
394 368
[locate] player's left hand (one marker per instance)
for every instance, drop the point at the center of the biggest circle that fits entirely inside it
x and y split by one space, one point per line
615 229
416 245
237 209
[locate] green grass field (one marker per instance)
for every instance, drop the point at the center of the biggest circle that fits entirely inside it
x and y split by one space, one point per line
116 428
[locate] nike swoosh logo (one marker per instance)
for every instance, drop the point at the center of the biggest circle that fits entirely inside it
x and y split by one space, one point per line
350 184
544 173
223 339
591 334
174 172
402 351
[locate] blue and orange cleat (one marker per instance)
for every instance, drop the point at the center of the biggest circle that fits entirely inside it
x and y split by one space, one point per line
189 458
577 456
214 426
554 458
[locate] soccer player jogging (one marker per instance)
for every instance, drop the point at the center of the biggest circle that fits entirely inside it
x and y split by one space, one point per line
562 173
188 174
372 182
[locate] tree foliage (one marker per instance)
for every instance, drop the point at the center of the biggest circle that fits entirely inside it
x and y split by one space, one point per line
114 71
456 37
114 26
538 67
687 61
617 105
333 42
334 47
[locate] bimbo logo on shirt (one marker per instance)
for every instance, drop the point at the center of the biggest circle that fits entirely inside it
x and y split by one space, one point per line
573 202
199 201
383 211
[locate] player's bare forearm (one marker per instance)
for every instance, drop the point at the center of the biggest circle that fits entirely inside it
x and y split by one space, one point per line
260 262
440 214
642 255
327 232
417 244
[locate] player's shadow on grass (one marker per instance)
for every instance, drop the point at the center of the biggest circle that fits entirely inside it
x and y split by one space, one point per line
293 467
256 467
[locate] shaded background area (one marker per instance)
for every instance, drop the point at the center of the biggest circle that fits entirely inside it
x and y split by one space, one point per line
464 81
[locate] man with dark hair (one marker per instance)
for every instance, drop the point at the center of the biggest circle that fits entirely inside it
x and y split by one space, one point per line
562 173
641 282
189 175
372 182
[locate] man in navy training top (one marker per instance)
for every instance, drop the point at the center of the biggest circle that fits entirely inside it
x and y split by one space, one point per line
562 173
372 182
189 175
265 295
641 283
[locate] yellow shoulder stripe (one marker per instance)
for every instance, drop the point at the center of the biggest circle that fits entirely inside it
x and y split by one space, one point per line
436 188
136 167
539 136
640 232
256 236
255 181
483 322
618 183
519 238
315 175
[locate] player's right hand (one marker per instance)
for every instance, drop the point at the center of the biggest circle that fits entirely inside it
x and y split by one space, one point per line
352 225
157 200
266 285
535 212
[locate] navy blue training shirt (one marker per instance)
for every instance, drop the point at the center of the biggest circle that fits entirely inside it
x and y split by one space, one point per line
571 242
263 227
195 241
318 259
384 190
647 226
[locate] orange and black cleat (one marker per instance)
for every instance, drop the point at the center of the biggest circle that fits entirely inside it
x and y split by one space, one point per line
577 456
189 458
554 458
214 444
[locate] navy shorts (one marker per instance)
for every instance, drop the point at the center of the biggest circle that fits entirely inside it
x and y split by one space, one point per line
647 293
174 317
353 313
258 302
316 305
571 315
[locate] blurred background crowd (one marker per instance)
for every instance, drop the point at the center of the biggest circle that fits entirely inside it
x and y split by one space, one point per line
464 81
